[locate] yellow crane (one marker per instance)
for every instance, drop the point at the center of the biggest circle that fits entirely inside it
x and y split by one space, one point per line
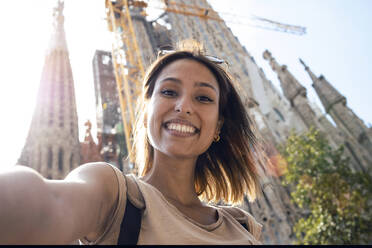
126 55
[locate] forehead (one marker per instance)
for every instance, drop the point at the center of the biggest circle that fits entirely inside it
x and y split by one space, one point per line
188 70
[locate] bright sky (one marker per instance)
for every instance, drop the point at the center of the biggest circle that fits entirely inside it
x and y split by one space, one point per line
337 45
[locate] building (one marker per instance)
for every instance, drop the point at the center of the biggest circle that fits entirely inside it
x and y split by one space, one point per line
52 144
89 150
356 143
275 114
358 138
113 148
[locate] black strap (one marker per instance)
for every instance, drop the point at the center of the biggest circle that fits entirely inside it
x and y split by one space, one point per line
245 226
130 226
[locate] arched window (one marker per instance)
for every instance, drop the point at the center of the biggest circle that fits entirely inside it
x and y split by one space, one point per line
279 114
60 159
38 158
50 158
71 160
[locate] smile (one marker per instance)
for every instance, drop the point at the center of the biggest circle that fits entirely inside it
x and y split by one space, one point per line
181 128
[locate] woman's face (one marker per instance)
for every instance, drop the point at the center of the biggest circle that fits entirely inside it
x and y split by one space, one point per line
182 115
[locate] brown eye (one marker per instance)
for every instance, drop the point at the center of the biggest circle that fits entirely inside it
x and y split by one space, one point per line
169 93
204 99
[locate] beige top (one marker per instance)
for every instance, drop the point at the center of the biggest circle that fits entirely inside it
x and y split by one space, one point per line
163 223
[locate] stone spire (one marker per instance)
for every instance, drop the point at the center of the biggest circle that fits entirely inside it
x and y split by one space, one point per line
58 39
52 144
291 87
335 105
294 92
311 74
327 93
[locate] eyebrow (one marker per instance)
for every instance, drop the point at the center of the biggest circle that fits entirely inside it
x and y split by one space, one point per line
203 84
198 84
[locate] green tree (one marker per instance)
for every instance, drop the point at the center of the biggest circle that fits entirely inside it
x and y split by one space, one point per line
338 200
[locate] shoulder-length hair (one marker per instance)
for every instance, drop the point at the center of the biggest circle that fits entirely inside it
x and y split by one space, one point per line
229 168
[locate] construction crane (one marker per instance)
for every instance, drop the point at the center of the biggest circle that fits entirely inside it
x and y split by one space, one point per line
126 55
207 13
128 67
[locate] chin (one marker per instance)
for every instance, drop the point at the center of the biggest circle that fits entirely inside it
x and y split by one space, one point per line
179 153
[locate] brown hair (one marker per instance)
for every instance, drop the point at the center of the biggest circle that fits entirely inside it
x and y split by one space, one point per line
228 169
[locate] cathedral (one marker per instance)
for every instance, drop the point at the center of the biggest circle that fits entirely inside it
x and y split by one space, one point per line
52 145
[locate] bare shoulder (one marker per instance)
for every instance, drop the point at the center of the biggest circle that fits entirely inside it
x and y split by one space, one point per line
100 178
93 193
97 172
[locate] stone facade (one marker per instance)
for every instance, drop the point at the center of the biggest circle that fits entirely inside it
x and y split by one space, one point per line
52 144
275 114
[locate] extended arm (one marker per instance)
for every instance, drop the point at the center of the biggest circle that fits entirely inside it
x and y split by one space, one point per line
34 210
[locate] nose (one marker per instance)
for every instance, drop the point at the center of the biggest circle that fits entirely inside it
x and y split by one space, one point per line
184 104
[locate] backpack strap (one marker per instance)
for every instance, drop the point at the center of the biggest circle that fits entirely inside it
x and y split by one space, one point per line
245 226
131 224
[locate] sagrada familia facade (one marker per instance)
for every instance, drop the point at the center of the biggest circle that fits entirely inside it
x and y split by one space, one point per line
52 146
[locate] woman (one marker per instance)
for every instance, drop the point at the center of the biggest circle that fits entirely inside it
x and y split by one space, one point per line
193 141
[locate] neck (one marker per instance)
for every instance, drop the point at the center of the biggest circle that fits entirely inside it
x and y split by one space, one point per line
174 178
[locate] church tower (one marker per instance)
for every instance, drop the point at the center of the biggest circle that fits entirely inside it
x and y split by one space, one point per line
335 105
358 138
293 91
296 94
52 144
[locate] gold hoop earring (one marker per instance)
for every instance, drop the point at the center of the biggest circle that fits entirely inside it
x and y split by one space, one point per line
216 139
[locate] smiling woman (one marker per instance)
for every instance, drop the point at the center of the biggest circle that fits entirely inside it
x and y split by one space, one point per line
194 141
195 145
197 90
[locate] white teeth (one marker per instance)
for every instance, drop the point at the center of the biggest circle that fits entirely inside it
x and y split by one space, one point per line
181 128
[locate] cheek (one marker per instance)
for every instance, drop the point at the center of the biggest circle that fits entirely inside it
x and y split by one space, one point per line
154 110
151 118
211 121
154 113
